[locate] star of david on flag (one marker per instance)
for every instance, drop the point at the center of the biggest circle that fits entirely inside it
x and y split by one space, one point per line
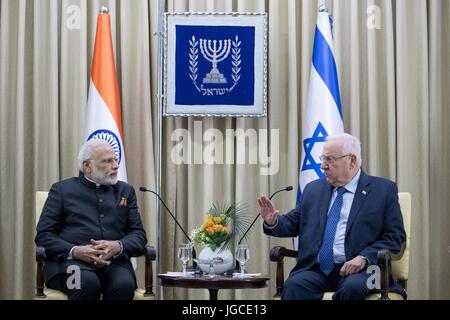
323 109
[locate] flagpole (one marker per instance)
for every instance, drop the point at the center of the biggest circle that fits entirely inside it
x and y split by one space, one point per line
323 8
161 6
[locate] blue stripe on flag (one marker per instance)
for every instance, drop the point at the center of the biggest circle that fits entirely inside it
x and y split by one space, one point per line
323 61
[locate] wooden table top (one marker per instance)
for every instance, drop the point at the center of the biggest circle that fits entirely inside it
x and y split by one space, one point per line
216 282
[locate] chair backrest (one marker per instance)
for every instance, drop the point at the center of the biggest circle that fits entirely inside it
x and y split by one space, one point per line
41 197
400 268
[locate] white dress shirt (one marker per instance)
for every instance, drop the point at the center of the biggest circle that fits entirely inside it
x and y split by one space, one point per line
339 238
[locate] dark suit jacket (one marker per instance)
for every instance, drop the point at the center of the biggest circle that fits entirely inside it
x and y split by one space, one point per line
375 221
77 211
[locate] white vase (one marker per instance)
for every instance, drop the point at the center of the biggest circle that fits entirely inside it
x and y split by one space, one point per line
223 260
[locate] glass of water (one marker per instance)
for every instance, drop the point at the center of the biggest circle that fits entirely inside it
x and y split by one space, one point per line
242 255
184 254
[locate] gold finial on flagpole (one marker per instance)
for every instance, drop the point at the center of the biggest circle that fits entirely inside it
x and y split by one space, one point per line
104 9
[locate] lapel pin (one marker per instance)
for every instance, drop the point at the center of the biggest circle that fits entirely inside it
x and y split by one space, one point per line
364 192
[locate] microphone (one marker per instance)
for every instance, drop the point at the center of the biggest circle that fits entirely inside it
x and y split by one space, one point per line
288 188
194 256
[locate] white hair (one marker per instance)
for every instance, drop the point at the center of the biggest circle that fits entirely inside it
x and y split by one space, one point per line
88 149
350 145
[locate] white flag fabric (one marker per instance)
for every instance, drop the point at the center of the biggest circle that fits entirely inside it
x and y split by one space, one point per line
323 109
103 114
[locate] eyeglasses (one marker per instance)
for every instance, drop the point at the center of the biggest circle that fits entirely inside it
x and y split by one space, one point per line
331 159
108 161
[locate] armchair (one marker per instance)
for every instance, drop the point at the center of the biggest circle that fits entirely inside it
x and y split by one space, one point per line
388 262
43 292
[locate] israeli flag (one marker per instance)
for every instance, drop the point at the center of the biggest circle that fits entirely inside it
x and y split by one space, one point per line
323 109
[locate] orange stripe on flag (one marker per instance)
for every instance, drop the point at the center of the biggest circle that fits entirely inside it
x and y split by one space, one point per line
104 70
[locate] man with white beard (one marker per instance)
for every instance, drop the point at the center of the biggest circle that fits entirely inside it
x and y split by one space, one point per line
92 224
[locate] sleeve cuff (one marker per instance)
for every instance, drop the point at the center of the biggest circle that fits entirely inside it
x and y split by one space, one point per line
70 254
367 260
121 249
270 227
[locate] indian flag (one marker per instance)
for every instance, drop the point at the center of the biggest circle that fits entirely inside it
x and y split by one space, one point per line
103 114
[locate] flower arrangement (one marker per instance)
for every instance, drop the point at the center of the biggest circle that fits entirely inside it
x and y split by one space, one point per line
223 223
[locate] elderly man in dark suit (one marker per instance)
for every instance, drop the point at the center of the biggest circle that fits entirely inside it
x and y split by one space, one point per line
91 224
341 222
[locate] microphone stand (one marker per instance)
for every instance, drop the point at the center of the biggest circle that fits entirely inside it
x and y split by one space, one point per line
289 188
194 255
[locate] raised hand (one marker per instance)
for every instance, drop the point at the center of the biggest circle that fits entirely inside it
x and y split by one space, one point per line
268 212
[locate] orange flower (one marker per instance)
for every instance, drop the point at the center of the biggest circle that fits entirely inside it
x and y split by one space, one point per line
220 225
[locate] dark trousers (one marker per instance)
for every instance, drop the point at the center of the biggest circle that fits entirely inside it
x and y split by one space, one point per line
313 283
114 282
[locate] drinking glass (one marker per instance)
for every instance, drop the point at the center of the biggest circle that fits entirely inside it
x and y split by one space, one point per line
242 255
184 254
212 272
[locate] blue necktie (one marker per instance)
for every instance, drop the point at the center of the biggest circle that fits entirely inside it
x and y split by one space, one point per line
326 261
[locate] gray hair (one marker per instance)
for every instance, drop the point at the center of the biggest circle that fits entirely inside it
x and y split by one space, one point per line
351 145
88 149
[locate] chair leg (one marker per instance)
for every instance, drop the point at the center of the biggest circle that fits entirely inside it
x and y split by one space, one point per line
40 261
384 264
280 278
150 256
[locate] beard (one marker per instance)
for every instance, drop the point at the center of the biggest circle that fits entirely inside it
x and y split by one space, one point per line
103 177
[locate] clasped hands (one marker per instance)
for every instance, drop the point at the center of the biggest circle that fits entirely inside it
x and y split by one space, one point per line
99 252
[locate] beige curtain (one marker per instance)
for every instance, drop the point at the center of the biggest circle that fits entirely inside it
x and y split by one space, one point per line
393 65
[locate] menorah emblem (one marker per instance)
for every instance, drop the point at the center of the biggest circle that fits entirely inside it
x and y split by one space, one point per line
215 55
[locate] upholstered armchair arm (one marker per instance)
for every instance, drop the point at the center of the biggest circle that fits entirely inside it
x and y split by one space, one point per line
277 255
40 262
385 257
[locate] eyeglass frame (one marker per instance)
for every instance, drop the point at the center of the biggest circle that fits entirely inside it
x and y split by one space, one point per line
332 159
106 161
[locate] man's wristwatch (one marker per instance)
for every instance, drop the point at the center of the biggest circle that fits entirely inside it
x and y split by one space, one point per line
120 251
367 260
